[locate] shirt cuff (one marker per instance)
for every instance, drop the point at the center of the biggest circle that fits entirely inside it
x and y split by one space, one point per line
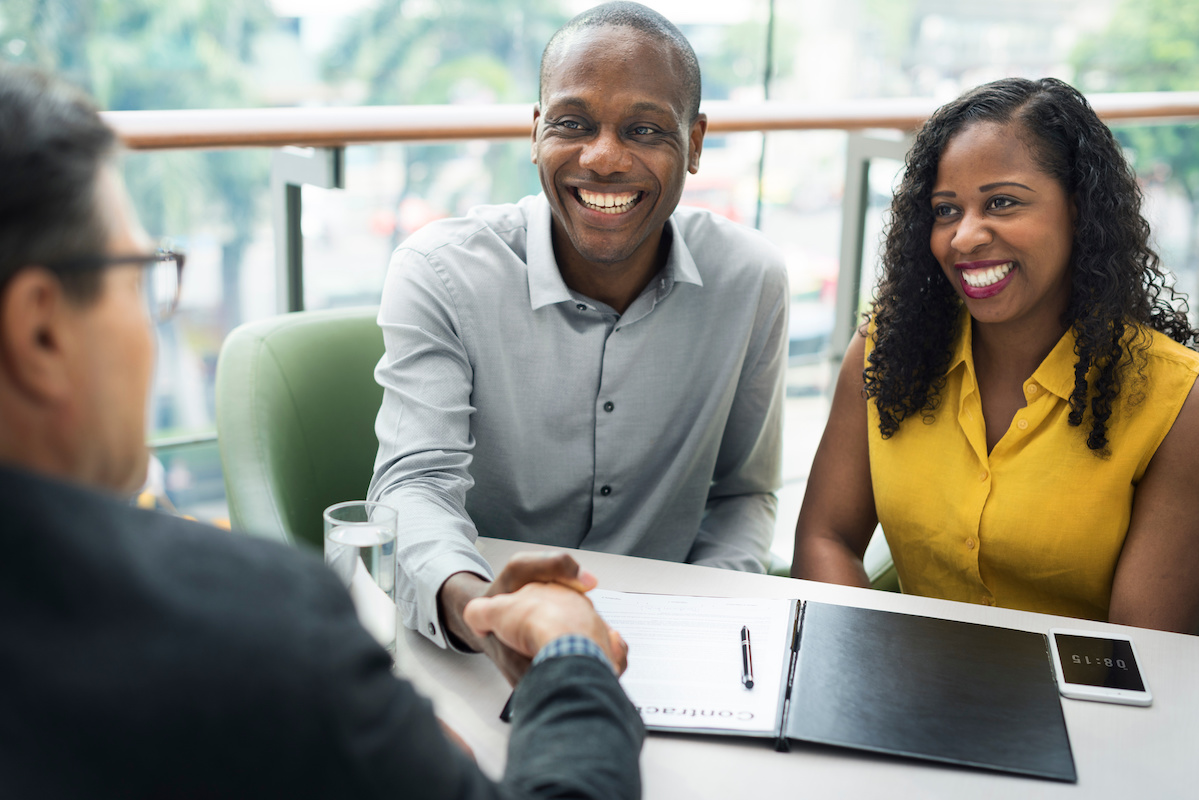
572 644
425 614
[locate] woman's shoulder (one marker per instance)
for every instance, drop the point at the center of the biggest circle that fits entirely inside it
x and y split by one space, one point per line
1166 354
1162 381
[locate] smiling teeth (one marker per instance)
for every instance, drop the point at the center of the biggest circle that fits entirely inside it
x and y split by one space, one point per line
609 203
978 278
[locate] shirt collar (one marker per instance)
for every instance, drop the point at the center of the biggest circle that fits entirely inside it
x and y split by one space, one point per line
962 348
1055 373
546 286
680 266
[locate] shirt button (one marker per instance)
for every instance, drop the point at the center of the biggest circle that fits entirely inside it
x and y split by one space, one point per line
1031 388
970 543
1022 424
605 490
608 406
982 476
432 629
581 307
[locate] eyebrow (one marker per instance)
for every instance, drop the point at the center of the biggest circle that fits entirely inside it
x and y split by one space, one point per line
988 187
642 107
997 184
647 107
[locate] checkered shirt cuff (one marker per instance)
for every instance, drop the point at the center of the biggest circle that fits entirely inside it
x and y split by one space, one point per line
572 644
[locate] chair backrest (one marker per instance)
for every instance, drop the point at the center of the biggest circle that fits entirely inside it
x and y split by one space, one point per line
296 401
880 567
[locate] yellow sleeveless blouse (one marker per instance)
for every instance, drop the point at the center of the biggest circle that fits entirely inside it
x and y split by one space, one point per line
1038 524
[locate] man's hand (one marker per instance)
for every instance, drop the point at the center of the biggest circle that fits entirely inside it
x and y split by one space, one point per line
462 587
536 614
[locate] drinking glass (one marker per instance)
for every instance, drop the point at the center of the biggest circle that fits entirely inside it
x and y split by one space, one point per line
360 547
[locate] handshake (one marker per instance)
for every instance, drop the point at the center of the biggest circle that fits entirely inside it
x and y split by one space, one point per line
537 598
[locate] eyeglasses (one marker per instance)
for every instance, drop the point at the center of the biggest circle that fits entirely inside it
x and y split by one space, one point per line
163 279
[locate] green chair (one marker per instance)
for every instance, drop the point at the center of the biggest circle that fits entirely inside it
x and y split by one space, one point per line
880 569
296 401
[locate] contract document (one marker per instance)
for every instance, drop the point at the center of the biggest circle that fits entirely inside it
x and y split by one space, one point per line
921 687
685 659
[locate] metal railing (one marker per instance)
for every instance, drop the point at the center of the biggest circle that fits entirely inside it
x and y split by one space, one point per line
341 126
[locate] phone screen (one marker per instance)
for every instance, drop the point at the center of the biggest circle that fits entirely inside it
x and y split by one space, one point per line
1091 661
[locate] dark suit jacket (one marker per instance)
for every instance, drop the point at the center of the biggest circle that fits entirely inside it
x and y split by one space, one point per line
147 656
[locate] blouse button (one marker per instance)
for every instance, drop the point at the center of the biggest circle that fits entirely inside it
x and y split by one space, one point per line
970 543
581 307
609 406
982 476
605 490
1022 424
1031 388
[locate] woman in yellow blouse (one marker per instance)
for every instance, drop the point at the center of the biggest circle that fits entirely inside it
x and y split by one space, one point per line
1017 414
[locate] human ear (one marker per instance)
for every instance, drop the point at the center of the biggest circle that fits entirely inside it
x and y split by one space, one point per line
536 120
696 143
35 338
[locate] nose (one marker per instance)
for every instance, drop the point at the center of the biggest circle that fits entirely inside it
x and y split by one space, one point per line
972 232
606 154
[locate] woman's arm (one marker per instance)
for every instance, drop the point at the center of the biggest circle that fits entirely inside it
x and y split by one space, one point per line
837 516
1157 577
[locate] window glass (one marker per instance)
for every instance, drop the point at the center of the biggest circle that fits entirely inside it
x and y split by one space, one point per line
216 205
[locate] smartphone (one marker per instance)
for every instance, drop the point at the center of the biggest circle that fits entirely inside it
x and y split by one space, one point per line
1098 666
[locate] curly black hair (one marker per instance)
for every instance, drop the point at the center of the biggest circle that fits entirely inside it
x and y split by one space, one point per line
1118 286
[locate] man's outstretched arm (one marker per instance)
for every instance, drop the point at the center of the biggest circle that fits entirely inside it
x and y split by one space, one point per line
423 427
574 732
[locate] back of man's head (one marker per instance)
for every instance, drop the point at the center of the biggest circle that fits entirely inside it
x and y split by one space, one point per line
52 146
629 15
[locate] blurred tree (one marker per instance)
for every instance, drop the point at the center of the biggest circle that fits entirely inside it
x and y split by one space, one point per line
1153 45
739 59
423 52
145 54
889 29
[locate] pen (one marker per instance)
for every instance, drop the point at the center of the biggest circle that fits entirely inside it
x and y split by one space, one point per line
747 660
506 712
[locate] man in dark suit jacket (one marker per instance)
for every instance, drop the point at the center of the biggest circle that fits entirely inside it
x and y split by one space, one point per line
146 656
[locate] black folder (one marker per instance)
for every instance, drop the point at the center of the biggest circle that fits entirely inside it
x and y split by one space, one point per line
920 687
937 689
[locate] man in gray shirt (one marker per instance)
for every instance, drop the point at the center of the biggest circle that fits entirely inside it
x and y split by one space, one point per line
591 367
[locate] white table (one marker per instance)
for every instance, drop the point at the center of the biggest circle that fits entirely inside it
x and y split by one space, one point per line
1119 751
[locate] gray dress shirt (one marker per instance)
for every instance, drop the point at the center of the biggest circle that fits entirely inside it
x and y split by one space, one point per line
518 409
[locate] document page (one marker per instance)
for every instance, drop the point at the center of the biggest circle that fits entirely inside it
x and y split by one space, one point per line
685 664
